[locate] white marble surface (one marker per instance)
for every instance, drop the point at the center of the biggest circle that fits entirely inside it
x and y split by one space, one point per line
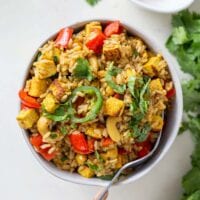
23 26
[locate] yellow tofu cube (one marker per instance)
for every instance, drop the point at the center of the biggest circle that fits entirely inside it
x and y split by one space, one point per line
111 51
27 118
94 132
92 26
50 104
113 106
152 65
157 123
155 85
37 86
57 89
85 172
44 68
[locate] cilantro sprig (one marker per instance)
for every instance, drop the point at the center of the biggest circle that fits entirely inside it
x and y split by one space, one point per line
92 2
184 43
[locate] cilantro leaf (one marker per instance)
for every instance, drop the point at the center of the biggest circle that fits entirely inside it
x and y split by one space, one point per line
82 70
131 85
92 2
62 113
93 166
194 196
107 177
113 71
180 35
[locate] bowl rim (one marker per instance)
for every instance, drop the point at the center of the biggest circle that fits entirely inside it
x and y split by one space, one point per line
152 8
74 178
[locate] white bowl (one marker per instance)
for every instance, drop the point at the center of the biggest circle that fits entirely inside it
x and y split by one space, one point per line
164 6
169 132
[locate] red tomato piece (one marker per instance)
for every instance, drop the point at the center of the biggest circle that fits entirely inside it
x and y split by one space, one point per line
171 93
112 28
95 41
105 142
63 37
28 100
79 142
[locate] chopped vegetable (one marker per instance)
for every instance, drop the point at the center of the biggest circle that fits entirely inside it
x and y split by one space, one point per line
113 71
112 28
85 172
79 142
81 159
63 37
96 106
36 140
82 70
105 142
95 41
28 100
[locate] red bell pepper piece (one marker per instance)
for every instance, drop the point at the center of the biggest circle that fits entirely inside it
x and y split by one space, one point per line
95 41
63 37
146 148
105 142
28 100
112 28
23 107
171 93
79 142
46 155
36 140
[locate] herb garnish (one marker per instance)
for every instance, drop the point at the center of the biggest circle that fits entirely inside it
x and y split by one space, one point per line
82 70
184 43
113 71
92 2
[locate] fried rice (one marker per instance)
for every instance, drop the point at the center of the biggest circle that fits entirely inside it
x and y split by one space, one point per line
94 99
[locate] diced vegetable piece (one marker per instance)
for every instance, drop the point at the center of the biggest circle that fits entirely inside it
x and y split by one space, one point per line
94 132
43 125
79 142
44 68
105 142
81 159
37 87
90 27
27 118
85 172
90 145
155 85
112 28
57 89
28 100
171 93
94 64
113 132
145 146
36 140
110 154
157 123
113 106
63 37
50 104
111 51
46 155
95 41
152 65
